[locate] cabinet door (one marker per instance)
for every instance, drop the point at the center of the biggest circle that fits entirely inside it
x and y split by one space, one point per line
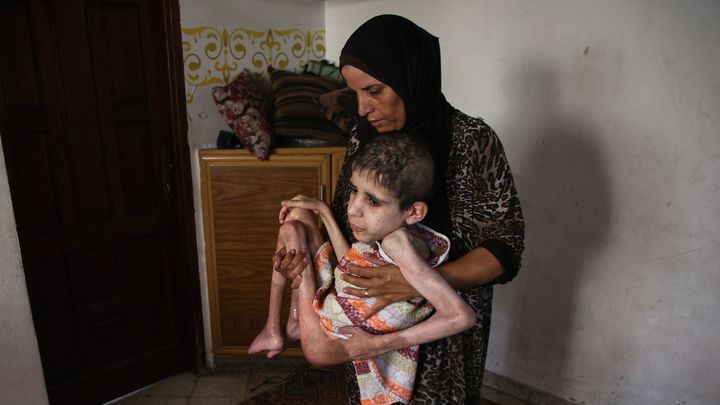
241 201
338 157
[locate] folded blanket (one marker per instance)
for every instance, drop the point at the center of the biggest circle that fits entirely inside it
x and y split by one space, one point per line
390 377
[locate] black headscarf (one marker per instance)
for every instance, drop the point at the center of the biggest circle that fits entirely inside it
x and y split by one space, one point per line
397 52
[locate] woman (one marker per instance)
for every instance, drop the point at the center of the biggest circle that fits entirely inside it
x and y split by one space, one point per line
394 67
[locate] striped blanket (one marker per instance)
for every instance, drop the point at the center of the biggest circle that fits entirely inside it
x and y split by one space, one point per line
390 377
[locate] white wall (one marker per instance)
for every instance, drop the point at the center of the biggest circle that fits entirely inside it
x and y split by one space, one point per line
21 376
609 112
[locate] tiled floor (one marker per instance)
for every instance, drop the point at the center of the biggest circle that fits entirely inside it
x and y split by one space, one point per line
235 385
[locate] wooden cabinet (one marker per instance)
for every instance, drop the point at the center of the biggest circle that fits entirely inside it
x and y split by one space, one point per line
240 202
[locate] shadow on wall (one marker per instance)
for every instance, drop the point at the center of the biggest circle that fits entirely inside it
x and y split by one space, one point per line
563 184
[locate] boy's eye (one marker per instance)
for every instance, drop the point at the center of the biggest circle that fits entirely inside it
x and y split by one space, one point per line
373 202
353 189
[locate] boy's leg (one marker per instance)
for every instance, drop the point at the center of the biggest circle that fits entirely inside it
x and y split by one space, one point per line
320 349
271 337
292 327
293 235
300 232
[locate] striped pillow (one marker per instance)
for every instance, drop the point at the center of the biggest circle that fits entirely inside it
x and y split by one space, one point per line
297 115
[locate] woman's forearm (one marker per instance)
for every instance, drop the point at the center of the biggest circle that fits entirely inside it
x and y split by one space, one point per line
477 267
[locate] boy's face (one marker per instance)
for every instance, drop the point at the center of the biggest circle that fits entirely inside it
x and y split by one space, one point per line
373 211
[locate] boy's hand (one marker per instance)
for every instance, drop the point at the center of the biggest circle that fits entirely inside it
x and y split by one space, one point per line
301 201
361 345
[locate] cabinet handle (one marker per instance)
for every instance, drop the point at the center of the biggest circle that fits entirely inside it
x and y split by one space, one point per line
322 192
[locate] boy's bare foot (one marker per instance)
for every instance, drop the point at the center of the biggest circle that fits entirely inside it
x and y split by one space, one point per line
268 341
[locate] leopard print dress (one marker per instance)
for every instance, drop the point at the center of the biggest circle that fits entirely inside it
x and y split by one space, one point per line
483 206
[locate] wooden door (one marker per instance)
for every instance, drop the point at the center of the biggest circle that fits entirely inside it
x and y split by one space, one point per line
241 201
89 132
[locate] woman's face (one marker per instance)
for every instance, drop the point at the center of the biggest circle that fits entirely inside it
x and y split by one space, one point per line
377 101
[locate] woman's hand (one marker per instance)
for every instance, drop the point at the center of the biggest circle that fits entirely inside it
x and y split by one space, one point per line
384 282
290 265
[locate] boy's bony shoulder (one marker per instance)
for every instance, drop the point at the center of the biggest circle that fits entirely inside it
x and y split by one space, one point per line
430 244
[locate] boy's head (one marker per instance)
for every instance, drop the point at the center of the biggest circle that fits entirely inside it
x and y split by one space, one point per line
400 163
392 178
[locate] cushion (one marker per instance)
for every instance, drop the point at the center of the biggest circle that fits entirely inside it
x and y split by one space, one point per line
297 115
340 107
247 112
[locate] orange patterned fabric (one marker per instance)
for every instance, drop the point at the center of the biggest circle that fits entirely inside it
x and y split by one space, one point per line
388 378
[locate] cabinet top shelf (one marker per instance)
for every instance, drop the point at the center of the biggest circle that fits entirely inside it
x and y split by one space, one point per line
275 151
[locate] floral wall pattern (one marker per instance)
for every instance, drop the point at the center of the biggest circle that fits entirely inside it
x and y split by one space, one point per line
214 56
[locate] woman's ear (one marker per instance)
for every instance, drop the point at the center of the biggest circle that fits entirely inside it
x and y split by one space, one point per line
416 212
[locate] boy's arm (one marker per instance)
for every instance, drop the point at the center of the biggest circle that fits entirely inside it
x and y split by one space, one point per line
337 238
452 314
418 243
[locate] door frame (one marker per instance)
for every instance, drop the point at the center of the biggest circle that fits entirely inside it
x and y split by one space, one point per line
183 177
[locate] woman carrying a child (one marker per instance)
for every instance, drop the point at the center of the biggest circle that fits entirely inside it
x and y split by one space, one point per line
394 67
